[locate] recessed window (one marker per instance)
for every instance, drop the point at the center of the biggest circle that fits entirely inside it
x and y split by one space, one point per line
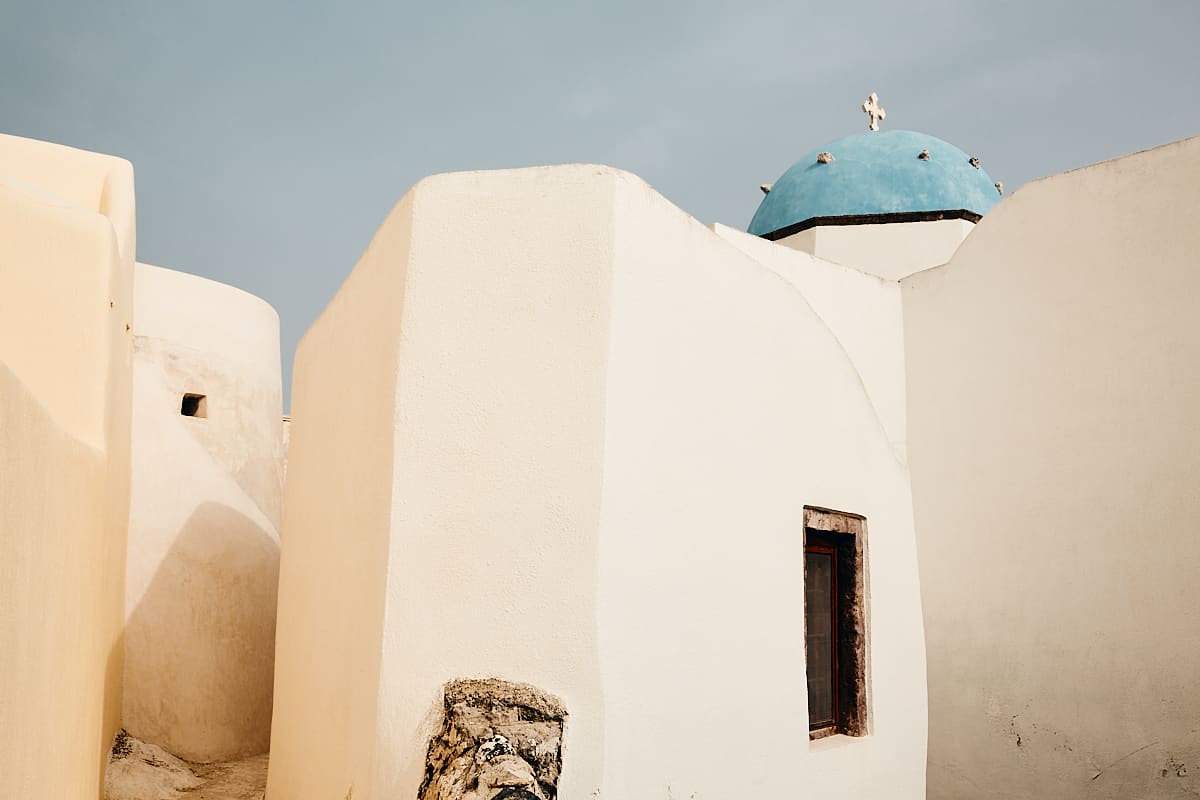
194 405
834 622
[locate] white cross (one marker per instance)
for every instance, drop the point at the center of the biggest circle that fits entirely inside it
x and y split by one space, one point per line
874 110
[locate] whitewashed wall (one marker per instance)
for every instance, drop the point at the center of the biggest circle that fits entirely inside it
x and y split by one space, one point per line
553 430
891 250
731 405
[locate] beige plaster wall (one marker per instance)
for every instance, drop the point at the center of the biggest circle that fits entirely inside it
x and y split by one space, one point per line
203 544
66 239
553 430
1053 382
891 251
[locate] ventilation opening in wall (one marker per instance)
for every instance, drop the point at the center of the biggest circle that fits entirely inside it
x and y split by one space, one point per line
194 405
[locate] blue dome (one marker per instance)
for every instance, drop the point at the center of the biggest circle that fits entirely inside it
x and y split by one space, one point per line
873 173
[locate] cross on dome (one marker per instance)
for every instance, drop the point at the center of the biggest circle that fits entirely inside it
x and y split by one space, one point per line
874 110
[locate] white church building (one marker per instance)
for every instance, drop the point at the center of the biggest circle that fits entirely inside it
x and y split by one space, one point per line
887 496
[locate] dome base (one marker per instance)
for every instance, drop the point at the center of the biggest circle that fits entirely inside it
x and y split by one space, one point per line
871 219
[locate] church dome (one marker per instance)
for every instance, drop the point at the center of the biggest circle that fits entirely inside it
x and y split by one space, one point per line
896 176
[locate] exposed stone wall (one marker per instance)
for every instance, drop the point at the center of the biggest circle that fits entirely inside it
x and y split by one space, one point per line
498 739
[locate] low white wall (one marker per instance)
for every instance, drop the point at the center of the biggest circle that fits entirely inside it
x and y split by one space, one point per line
203 546
65 302
553 430
1053 381
499 435
892 251
285 431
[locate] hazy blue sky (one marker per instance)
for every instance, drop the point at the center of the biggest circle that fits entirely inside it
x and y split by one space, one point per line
270 139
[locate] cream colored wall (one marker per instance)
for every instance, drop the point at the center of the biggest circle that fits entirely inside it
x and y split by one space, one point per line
203 545
892 251
66 239
862 311
478 488
1053 379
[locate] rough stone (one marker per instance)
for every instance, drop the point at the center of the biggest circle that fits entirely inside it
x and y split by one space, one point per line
141 771
496 736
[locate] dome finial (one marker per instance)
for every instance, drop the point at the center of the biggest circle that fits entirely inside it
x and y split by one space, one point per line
874 111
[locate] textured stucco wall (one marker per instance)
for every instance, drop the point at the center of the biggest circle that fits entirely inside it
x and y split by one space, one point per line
891 251
1053 382
553 430
66 272
203 544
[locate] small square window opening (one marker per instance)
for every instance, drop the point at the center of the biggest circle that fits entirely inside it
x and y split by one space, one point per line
194 405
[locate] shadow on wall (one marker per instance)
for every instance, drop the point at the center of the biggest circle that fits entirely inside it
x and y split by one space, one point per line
203 679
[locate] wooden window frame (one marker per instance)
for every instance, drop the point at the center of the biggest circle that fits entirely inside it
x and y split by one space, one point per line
843 536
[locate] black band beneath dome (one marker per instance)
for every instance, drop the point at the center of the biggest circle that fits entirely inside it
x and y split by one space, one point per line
872 219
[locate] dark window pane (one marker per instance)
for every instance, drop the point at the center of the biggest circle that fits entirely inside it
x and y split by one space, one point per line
818 615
